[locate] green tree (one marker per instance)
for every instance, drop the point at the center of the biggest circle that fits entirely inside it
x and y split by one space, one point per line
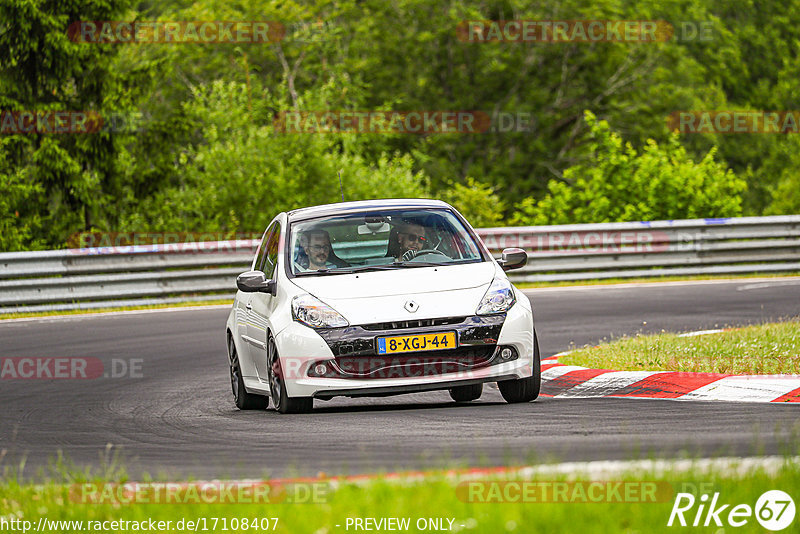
620 184
786 195
42 70
202 161
478 202
17 222
243 171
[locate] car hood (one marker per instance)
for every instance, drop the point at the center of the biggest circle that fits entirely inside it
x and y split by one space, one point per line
380 296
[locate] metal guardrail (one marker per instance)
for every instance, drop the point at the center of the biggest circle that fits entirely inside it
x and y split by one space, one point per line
652 249
147 274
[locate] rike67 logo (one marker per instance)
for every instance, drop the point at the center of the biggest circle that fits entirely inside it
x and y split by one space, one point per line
774 510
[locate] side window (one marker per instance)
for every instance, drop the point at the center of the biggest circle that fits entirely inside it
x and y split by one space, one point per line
273 245
262 249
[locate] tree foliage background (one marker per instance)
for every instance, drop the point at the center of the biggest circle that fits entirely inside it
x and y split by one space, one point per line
208 158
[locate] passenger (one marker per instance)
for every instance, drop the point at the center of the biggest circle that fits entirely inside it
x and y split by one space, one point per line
317 246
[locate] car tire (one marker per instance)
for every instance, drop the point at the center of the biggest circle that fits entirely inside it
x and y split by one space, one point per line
524 389
277 385
466 393
242 399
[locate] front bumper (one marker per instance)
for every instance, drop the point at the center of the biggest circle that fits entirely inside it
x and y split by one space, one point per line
354 368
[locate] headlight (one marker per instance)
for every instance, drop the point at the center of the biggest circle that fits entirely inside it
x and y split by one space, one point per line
498 298
315 313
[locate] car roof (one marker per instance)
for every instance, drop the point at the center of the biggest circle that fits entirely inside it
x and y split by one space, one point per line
342 208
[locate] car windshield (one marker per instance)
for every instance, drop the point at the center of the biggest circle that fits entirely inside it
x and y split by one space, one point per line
379 240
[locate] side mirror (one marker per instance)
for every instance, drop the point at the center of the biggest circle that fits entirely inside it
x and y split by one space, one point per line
513 258
255 282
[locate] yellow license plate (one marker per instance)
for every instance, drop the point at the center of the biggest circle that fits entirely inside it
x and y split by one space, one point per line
417 342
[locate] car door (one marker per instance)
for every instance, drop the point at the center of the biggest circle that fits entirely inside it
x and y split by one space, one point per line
261 305
243 306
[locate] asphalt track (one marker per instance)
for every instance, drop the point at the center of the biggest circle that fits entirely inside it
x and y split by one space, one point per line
178 418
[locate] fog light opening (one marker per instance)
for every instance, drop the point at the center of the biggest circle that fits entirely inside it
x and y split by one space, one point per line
320 369
507 354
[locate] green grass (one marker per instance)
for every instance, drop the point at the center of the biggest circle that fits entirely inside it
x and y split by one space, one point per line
435 497
772 348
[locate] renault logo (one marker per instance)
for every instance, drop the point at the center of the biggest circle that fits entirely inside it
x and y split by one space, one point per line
411 306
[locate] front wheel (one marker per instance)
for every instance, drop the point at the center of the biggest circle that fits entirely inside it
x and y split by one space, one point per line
277 385
243 399
524 389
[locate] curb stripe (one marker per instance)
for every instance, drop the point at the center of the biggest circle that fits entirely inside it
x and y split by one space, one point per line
669 385
558 370
573 381
546 366
607 383
792 396
569 380
744 389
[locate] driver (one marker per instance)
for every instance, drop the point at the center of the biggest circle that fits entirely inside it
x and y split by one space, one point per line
411 237
317 246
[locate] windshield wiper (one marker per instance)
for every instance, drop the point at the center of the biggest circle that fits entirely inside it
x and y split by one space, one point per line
396 265
326 272
365 268
418 264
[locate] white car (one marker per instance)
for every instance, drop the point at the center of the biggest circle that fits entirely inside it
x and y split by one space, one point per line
377 298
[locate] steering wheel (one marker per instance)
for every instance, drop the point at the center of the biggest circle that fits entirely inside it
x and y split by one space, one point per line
411 254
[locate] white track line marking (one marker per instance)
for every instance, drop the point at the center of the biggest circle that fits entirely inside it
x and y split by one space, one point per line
598 470
764 285
701 333
623 285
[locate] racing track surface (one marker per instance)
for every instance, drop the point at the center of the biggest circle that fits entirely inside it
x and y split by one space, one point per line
178 419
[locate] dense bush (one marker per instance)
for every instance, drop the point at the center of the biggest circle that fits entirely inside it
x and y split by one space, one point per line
241 171
620 184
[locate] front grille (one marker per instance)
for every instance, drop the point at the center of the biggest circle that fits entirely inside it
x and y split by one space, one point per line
430 363
418 323
359 340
